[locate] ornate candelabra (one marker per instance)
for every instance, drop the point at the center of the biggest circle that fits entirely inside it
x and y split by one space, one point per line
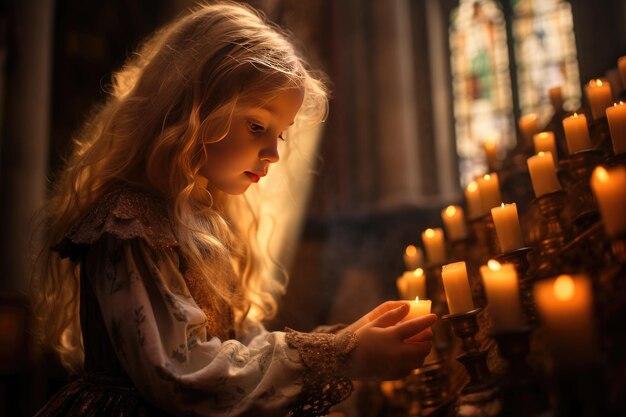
479 397
580 166
521 394
553 237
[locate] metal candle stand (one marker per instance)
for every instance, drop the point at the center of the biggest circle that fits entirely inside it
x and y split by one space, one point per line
521 393
553 239
580 165
465 327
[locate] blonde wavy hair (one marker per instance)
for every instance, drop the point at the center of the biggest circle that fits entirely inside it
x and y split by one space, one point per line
177 93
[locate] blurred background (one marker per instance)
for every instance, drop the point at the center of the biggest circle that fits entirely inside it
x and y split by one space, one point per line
417 87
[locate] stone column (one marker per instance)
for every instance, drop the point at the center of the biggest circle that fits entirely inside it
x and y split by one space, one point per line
25 136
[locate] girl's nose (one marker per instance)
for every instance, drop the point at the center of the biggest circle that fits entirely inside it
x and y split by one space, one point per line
269 153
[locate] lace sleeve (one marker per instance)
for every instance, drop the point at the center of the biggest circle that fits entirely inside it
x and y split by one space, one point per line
324 357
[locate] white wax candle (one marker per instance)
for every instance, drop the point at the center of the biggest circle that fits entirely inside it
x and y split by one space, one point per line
621 64
489 189
556 98
454 221
609 187
413 257
412 284
502 289
528 126
616 115
473 200
544 142
543 174
599 96
565 307
507 227
435 246
419 308
456 286
576 133
491 153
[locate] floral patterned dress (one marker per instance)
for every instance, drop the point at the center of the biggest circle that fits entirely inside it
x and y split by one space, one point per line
154 345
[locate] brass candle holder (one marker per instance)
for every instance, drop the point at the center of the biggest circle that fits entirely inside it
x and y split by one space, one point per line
427 389
521 393
580 165
465 327
553 237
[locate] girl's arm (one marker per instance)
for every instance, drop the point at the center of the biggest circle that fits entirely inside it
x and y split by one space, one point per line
160 337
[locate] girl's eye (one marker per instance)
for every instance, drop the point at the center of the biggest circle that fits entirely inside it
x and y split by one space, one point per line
255 127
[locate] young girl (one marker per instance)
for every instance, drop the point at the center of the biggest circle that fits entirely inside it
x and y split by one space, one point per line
152 285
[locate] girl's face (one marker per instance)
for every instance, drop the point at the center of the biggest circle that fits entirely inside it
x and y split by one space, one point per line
243 157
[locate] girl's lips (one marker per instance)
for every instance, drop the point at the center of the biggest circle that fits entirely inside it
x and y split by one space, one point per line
253 177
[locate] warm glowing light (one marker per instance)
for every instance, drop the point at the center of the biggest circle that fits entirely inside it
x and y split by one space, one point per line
575 114
490 144
472 187
430 233
564 288
450 211
540 154
502 205
418 272
410 250
487 177
601 174
543 135
417 299
621 103
494 265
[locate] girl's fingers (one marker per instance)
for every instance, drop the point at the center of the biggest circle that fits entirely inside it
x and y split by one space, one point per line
391 317
423 336
414 326
384 308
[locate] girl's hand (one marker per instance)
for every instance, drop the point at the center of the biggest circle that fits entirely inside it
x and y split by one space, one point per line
390 350
374 314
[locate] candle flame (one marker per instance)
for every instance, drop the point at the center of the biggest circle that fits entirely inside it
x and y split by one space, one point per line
490 144
541 154
450 211
410 250
502 205
564 288
598 83
472 187
543 135
601 174
575 114
417 299
430 233
486 177
494 265
621 103
418 272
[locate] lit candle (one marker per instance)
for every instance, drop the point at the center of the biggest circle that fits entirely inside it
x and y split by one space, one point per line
621 64
609 187
576 133
489 190
502 289
413 258
491 153
565 307
454 222
556 98
418 308
412 284
616 114
599 96
434 245
543 173
507 227
456 286
544 142
528 126
474 203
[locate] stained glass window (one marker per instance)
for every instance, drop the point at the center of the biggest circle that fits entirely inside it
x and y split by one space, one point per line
545 54
483 108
